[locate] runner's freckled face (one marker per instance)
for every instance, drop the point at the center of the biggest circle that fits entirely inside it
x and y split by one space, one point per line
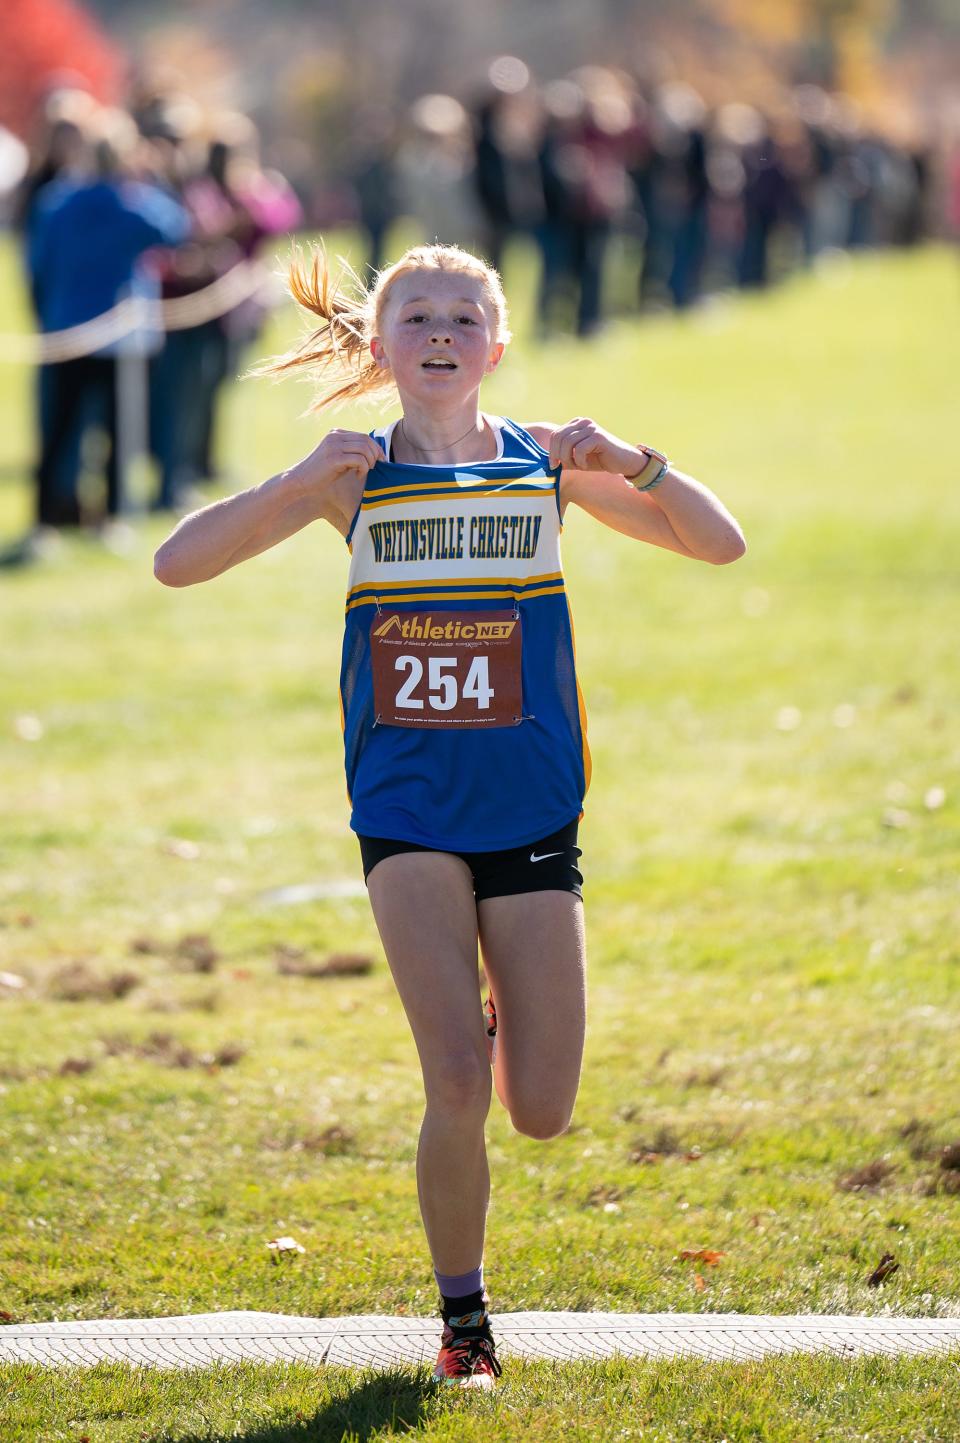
438 337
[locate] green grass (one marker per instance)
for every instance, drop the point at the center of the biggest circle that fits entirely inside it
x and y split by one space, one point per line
771 908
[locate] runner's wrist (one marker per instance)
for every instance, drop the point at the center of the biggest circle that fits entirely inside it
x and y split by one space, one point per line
655 466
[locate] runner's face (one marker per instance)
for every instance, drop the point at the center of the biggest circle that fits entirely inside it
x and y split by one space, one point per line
438 336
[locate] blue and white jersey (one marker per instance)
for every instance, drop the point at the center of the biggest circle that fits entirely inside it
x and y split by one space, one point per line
478 537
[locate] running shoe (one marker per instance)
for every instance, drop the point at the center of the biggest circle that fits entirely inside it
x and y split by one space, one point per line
490 1017
467 1352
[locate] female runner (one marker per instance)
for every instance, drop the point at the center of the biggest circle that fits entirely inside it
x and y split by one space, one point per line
464 728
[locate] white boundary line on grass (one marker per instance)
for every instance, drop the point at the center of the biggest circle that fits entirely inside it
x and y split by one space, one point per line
372 1340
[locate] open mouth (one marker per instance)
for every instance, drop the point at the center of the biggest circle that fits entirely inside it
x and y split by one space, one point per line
439 365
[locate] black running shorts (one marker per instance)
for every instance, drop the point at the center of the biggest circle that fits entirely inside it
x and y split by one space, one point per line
549 865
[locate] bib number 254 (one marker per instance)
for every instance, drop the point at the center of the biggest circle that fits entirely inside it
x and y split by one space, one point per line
442 683
446 669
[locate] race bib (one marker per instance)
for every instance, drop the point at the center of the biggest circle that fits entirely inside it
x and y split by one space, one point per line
446 668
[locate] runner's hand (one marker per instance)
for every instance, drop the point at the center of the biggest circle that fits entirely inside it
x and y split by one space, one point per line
342 454
582 445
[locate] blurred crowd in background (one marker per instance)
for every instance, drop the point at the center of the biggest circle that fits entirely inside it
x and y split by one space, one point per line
129 203
162 199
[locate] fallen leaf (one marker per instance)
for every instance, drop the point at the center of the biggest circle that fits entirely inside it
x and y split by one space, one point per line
710 1256
284 1247
884 1268
698 1282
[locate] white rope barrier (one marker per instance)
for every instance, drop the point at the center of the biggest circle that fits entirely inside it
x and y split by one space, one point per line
241 283
381 1342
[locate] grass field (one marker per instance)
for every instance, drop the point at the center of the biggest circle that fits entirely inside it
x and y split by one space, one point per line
771 854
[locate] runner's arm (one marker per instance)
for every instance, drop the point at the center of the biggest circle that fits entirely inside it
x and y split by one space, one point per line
326 485
681 515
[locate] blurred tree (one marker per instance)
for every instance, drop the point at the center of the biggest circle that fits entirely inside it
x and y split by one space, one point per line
48 44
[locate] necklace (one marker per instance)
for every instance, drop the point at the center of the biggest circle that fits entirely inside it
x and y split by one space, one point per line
431 450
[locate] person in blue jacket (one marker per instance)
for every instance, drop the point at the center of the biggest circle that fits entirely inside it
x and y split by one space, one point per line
87 237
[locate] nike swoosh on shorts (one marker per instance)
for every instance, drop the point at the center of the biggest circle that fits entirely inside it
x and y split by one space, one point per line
535 858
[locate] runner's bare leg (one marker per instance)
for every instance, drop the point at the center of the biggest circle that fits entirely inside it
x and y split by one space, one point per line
534 955
426 913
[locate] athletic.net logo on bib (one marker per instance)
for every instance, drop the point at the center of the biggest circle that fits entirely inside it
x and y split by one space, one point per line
446 668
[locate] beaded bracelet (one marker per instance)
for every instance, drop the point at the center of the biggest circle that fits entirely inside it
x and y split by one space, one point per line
651 455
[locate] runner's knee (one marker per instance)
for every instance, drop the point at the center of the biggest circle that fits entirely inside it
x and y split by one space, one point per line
541 1119
458 1082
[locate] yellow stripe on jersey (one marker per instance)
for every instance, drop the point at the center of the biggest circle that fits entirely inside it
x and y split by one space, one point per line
581 708
497 491
546 484
474 581
506 596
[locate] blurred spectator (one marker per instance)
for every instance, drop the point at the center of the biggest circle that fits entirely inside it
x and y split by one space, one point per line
590 138
768 199
507 126
58 150
375 182
232 205
87 237
435 171
674 192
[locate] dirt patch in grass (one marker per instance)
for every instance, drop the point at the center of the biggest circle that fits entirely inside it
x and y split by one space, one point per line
871 1177
663 1142
295 962
194 950
706 1076
78 982
168 1051
332 1141
208 1002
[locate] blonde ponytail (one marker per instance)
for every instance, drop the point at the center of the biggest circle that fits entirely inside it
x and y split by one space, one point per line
340 344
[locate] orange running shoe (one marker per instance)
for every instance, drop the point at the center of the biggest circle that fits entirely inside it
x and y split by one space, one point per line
490 1017
468 1353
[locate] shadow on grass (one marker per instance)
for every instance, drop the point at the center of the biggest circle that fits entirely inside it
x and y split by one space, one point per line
393 1398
